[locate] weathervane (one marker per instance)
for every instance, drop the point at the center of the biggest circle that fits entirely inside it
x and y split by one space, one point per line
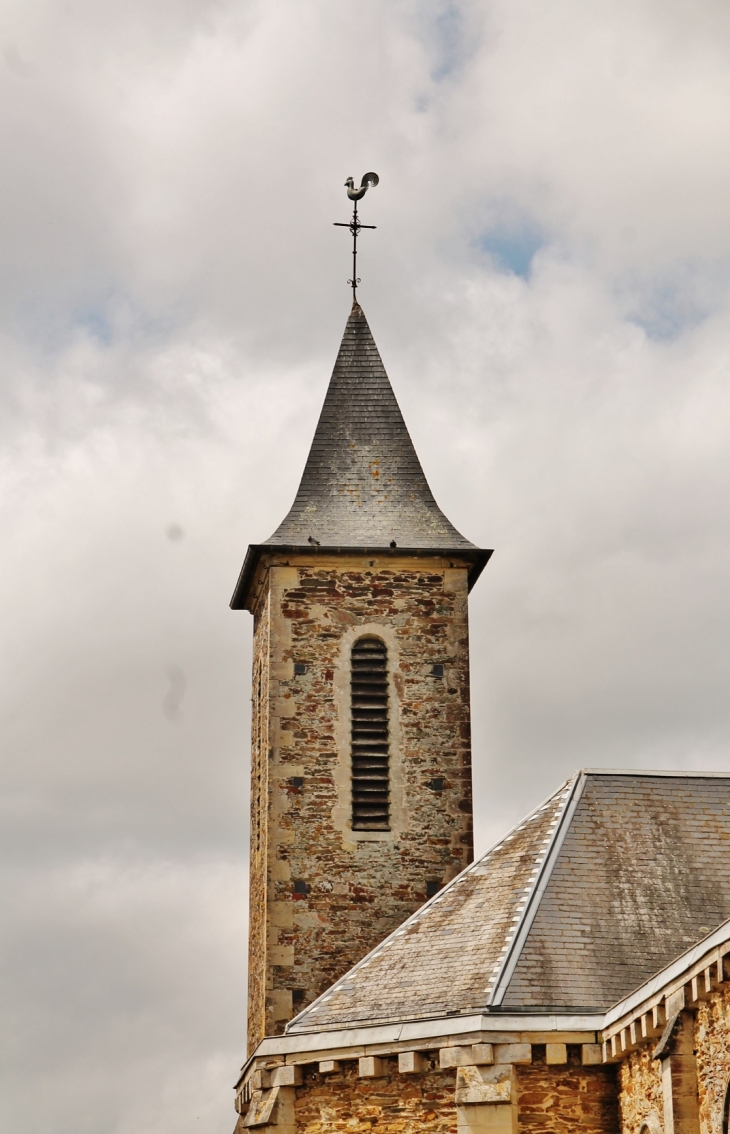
354 225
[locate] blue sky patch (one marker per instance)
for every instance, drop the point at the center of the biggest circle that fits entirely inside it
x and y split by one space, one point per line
512 248
666 309
95 319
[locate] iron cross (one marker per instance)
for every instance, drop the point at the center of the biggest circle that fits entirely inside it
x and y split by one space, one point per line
354 225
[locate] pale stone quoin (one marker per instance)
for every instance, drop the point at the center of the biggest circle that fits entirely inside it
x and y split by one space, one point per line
575 978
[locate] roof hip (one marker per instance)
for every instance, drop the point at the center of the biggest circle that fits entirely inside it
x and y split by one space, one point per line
574 790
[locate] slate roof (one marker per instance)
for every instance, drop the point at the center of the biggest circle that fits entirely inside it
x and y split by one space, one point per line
363 486
600 888
363 483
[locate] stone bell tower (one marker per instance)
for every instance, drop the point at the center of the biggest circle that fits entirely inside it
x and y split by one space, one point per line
360 759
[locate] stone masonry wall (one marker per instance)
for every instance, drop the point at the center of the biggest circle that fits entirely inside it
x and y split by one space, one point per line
712 1044
330 893
393 1104
640 1077
566 1099
552 1100
640 1084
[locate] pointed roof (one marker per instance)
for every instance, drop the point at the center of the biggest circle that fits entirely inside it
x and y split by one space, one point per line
363 483
596 891
363 487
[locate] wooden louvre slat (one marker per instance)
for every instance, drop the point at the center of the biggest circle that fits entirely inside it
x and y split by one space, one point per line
370 772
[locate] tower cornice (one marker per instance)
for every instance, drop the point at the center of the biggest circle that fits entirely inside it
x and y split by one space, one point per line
246 591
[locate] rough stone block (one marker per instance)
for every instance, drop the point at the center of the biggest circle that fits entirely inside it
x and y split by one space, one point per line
591 1054
328 1066
556 1053
371 1067
480 1085
287 1076
513 1053
411 1063
486 1100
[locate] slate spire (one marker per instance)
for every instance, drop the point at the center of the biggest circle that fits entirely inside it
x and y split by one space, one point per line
363 489
363 485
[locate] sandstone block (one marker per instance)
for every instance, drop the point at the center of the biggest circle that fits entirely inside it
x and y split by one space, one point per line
280 954
328 1066
481 1085
455 1057
591 1054
371 1067
262 1109
288 1076
282 915
411 1063
280 1003
482 1054
556 1053
260 1080
486 1119
279 871
513 1053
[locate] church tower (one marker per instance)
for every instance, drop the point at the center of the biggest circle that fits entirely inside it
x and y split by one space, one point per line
361 802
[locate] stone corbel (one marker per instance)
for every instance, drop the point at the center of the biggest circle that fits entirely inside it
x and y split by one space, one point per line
486 1100
272 1102
273 1109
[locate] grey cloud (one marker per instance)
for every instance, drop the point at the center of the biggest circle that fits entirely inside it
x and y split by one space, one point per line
172 294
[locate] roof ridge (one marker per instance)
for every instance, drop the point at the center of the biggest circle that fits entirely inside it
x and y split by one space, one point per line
686 772
572 790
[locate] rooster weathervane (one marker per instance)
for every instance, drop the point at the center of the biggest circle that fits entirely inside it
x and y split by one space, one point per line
354 225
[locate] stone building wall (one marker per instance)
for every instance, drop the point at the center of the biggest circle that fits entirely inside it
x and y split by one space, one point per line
330 894
566 1099
640 1076
393 1104
551 1100
712 1045
640 1085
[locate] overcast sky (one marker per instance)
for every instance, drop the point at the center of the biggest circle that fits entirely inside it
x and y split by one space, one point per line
549 286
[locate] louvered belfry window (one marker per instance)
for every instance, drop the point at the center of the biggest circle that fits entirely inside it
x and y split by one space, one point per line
370 776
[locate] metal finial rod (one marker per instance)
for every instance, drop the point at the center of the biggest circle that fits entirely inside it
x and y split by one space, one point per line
354 225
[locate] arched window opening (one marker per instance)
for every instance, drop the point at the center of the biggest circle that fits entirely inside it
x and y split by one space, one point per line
370 742
726 1111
